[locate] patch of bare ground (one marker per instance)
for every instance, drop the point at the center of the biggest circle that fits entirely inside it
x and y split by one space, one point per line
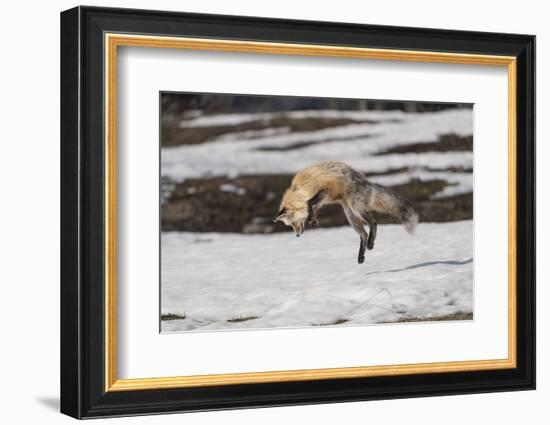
172 316
247 204
446 143
307 143
333 323
174 135
444 318
242 319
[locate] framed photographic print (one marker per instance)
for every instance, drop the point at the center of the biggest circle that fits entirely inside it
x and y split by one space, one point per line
261 212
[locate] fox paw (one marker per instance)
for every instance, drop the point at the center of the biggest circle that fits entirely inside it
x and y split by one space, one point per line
361 259
370 245
313 222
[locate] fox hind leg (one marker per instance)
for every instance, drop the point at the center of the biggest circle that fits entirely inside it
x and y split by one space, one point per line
357 225
372 229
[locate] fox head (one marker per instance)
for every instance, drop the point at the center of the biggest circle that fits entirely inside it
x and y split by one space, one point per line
293 210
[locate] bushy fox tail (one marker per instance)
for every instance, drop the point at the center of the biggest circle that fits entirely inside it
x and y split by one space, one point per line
411 221
386 201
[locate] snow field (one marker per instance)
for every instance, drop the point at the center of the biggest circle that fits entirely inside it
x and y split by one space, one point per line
231 281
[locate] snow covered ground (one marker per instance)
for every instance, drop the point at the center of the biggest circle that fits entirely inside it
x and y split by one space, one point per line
221 281
230 281
357 143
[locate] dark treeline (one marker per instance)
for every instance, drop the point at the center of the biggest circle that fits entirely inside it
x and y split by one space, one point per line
181 103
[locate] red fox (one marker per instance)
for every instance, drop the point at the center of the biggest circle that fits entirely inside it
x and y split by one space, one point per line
331 182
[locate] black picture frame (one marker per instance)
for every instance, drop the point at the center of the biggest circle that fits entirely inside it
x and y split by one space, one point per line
83 392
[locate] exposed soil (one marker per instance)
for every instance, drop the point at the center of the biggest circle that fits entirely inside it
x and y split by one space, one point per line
174 135
446 143
456 316
334 323
306 143
171 316
450 170
247 204
242 319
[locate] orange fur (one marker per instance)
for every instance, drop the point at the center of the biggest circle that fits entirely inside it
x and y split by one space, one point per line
329 182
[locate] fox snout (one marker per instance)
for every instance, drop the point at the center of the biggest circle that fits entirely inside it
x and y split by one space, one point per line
298 225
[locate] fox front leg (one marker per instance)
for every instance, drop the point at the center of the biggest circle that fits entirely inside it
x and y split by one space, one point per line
312 218
311 206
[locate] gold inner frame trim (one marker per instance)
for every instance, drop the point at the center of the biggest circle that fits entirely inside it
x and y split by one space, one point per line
113 41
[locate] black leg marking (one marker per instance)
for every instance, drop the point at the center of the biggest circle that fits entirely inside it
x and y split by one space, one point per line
361 256
370 241
372 230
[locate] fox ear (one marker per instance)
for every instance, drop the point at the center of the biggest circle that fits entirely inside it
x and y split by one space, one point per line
279 215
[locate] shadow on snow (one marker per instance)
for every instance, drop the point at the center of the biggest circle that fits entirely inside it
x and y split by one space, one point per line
426 264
